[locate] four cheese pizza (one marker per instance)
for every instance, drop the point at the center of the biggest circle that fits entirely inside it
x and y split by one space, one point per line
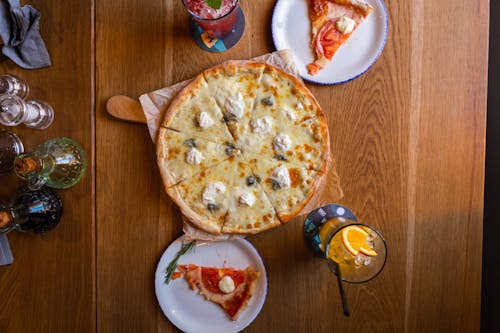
243 148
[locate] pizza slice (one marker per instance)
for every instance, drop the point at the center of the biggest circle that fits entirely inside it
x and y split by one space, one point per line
333 22
228 287
181 155
288 186
286 123
233 87
197 113
204 197
306 144
249 209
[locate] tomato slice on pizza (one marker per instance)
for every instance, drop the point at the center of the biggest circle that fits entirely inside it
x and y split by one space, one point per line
333 22
228 287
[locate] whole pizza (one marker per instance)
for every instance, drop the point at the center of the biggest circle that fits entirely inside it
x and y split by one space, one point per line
243 148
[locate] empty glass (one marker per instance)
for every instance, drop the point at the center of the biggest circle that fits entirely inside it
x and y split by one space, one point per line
13 85
32 113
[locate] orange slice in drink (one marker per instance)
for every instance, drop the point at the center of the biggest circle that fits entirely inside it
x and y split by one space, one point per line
354 239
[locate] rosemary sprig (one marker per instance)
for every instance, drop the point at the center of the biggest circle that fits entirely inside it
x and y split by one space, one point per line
215 4
173 264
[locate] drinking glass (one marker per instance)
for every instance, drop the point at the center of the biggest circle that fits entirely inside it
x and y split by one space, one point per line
57 163
32 113
10 84
215 30
326 231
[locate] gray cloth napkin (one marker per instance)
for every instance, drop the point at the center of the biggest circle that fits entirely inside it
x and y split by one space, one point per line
6 257
19 29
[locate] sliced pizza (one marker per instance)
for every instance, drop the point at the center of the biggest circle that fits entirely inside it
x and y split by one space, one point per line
204 197
195 112
305 144
249 209
228 287
286 122
269 131
182 155
332 23
288 186
233 87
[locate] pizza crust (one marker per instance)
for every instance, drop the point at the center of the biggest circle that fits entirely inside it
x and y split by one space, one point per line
194 217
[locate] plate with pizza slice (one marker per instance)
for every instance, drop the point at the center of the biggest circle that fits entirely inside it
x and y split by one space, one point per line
218 286
333 41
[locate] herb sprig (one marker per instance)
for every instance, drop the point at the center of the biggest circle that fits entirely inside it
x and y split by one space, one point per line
173 264
215 4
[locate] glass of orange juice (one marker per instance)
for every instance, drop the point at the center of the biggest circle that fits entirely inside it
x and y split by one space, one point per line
355 252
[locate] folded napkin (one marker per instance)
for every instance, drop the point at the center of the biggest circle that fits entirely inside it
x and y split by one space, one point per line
5 253
19 30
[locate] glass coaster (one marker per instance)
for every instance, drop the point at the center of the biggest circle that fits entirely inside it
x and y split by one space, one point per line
215 45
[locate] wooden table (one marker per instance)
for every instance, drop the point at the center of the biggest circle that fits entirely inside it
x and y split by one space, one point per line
408 137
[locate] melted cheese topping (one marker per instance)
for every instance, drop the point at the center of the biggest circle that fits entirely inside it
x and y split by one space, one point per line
266 80
262 125
345 25
289 113
282 177
194 156
204 120
211 191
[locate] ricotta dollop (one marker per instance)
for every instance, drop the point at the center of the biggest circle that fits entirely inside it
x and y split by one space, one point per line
194 156
246 199
281 176
262 125
204 120
226 284
345 25
211 192
282 143
235 106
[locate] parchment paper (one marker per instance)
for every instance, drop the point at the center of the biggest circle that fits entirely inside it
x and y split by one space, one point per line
156 103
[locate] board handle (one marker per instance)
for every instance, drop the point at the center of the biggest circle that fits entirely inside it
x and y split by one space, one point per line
126 108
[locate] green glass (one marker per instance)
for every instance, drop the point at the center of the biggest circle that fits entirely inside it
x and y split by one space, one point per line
57 163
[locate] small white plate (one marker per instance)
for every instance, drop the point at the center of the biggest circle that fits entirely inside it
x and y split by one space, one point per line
291 28
188 310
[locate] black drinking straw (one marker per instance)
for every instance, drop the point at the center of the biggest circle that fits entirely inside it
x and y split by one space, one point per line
334 267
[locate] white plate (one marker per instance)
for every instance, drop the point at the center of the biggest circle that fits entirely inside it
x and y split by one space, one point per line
188 310
291 29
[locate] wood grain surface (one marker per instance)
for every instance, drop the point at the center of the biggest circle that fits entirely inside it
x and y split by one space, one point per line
51 285
408 137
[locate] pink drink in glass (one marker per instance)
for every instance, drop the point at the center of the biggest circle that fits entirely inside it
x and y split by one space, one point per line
217 22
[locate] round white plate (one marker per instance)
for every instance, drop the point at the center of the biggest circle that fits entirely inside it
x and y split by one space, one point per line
187 309
291 29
